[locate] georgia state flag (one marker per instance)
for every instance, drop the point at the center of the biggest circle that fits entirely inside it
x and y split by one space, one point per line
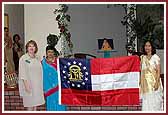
99 81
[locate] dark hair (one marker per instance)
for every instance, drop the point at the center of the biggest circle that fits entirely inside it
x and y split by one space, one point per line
49 47
14 37
31 42
5 28
110 42
153 48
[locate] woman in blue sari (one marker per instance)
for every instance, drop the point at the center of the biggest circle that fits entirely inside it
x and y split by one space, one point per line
50 80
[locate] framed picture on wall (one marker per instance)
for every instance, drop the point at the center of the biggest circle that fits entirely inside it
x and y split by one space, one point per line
6 20
105 44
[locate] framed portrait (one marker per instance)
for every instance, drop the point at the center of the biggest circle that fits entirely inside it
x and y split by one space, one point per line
6 20
105 44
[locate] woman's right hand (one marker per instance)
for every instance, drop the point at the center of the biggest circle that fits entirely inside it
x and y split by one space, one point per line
27 86
28 90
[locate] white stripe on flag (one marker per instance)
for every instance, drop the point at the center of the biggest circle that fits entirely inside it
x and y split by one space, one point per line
115 81
59 82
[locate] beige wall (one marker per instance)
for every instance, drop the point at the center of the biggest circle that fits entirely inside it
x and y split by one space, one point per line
90 22
39 22
160 53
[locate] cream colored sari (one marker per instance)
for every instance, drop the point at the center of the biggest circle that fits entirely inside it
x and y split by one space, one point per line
152 100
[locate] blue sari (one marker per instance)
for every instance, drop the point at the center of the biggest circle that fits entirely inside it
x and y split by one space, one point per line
50 87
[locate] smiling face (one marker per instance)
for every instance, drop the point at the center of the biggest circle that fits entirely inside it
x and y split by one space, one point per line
148 47
106 46
50 54
31 48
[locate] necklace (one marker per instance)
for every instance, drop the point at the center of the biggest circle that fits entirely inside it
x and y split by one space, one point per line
149 57
50 60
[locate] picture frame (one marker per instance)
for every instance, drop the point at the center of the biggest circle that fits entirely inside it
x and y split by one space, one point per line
105 44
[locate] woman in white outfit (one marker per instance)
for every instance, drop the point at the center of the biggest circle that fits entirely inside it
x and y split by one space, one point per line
150 83
30 78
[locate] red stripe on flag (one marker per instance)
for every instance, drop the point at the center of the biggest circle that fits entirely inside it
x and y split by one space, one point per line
97 98
115 65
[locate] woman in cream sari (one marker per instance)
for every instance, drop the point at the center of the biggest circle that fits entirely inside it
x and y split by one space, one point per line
150 82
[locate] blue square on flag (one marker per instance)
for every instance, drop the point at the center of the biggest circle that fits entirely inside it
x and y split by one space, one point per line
75 73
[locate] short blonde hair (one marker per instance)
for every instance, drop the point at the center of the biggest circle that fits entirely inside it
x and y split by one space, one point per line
31 42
